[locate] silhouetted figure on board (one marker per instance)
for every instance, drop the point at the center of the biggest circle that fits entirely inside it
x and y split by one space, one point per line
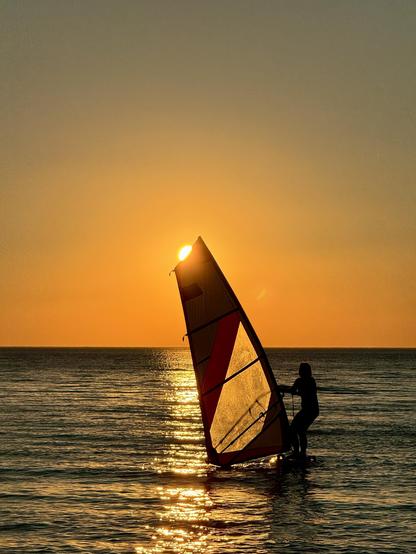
305 387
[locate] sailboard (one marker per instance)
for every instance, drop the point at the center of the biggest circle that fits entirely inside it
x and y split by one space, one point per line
242 410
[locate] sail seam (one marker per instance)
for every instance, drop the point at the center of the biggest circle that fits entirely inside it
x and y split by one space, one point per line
211 322
247 446
231 376
262 414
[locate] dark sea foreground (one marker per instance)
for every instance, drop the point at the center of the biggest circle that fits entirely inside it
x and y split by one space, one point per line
102 451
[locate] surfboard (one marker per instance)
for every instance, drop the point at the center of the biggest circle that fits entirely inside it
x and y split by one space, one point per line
289 461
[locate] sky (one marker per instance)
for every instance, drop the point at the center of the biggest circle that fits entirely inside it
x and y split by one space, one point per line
283 133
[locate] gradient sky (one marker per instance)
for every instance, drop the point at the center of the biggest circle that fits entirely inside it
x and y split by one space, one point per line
284 133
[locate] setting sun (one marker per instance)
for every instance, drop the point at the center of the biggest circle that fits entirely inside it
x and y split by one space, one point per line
184 252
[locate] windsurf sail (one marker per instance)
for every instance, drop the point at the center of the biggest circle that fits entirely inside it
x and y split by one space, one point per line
242 409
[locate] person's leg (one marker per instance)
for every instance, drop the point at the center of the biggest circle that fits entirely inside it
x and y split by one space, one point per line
303 442
305 423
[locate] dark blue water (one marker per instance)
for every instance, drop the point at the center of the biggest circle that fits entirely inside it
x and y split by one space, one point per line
102 451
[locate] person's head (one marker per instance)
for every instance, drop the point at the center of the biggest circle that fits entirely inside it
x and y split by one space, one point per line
305 370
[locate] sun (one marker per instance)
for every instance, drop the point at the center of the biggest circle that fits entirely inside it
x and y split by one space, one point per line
184 252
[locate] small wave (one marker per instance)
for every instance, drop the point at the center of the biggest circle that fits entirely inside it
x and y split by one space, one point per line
23 526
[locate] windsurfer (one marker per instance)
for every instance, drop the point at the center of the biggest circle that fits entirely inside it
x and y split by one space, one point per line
305 387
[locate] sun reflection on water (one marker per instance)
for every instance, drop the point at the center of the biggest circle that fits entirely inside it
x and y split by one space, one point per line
182 529
184 507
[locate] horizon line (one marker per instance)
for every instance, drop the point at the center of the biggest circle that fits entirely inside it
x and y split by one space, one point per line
188 348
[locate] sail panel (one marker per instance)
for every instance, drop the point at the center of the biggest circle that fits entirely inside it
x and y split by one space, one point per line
238 417
242 410
226 331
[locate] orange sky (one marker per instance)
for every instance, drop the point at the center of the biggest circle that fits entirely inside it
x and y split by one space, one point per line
284 135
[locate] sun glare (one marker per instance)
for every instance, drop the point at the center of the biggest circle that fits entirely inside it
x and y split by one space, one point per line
184 252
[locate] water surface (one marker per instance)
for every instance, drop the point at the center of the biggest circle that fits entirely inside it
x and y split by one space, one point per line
102 451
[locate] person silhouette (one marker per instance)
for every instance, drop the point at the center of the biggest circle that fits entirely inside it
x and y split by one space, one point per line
305 387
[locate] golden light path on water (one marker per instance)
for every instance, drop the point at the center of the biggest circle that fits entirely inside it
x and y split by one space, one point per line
185 507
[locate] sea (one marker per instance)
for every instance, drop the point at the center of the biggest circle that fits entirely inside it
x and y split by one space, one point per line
102 451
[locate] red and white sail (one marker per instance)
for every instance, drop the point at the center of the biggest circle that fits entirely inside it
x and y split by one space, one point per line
242 410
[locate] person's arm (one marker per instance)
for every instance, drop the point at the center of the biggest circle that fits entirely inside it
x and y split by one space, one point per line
285 388
290 389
